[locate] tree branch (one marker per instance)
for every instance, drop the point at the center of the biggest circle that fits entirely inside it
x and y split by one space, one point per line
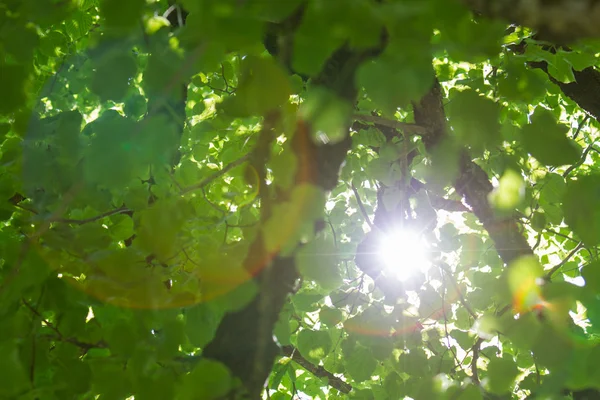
120 210
216 175
251 359
317 370
472 183
559 21
361 206
558 266
59 336
461 297
474 369
411 129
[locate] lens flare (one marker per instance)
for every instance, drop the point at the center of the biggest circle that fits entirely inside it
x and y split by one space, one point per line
404 253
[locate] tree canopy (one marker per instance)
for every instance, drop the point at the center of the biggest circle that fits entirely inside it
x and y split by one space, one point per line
325 199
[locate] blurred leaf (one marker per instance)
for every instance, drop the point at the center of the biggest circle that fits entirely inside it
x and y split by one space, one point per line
524 277
581 210
546 140
475 120
317 261
510 193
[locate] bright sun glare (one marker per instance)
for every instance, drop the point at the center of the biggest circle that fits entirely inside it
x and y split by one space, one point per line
404 253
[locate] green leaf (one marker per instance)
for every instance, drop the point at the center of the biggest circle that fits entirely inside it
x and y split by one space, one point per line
263 87
53 44
208 380
160 385
523 332
561 70
464 339
122 227
109 158
164 75
361 364
502 373
551 349
135 105
122 338
313 40
313 345
75 374
307 301
202 321
520 83
413 363
12 370
330 316
591 274
581 210
579 60
12 85
392 84
475 120
394 385
538 221
159 226
122 16
109 379
79 25
546 140
283 329
471 392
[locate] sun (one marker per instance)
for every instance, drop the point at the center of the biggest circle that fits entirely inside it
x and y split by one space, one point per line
404 253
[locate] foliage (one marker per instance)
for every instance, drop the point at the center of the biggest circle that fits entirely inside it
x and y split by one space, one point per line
183 182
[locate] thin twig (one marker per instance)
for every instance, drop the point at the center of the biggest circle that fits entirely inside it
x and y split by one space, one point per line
411 129
216 175
44 320
361 206
446 321
581 160
562 235
537 242
335 243
552 271
120 210
461 297
59 336
581 124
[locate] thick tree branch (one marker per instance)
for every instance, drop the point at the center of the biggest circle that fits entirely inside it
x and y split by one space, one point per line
585 91
559 21
472 183
251 359
474 369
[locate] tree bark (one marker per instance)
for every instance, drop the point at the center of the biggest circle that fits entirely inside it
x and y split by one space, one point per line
558 21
